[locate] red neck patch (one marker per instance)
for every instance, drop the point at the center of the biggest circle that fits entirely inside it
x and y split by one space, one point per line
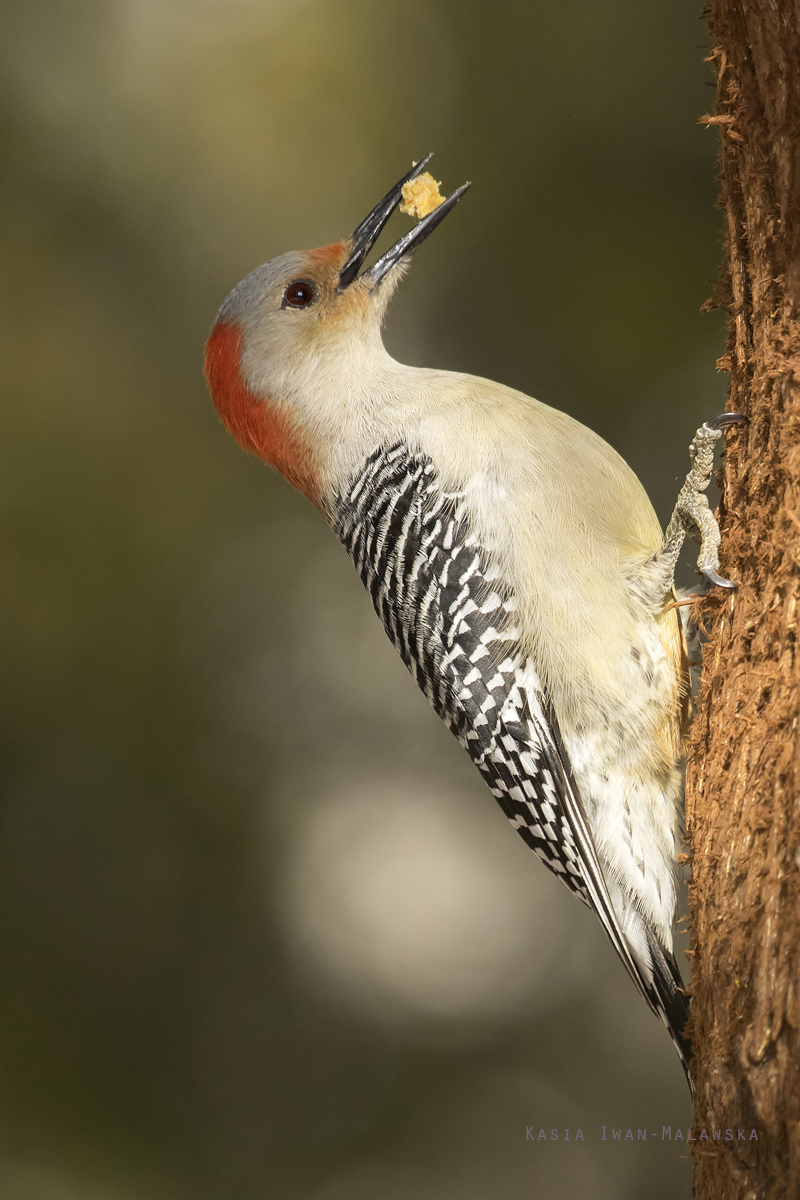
255 423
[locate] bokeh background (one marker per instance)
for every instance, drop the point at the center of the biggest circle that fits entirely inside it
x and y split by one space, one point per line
264 932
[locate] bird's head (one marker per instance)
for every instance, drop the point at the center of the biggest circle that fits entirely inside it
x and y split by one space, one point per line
298 322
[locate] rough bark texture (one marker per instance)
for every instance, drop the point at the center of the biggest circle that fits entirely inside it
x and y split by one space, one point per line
743 785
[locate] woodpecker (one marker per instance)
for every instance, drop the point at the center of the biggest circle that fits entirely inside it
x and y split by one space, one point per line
514 559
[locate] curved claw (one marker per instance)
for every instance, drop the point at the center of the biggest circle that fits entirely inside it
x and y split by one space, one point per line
727 418
717 580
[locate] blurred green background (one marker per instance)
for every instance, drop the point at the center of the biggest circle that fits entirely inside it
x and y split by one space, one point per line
264 932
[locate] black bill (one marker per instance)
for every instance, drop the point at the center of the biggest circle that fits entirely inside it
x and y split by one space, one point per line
414 237
364 238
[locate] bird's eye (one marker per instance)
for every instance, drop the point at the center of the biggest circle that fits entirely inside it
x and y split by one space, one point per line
299 294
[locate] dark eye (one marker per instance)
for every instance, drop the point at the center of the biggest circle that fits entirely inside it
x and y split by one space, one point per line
299 294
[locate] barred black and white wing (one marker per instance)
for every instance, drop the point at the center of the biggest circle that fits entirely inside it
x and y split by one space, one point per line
451 617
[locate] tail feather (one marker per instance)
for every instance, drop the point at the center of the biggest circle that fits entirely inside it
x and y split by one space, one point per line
672 1004
650 965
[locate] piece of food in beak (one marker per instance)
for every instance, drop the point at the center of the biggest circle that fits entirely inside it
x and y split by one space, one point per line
421 196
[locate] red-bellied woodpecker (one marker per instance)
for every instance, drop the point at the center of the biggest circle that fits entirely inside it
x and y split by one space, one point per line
514 558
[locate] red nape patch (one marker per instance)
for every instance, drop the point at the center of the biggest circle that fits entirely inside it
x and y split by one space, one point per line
255 423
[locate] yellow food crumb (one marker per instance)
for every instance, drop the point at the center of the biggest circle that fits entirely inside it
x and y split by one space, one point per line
421 196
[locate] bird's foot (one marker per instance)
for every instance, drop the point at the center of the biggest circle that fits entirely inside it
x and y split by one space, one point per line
692 514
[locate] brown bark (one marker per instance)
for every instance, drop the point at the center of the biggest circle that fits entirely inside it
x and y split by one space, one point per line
743 782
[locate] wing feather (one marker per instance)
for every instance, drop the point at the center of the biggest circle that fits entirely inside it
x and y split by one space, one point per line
452 619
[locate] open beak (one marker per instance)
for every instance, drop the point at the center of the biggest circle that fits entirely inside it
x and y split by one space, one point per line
367 233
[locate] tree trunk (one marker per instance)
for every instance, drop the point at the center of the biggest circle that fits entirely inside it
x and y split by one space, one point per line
743 781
